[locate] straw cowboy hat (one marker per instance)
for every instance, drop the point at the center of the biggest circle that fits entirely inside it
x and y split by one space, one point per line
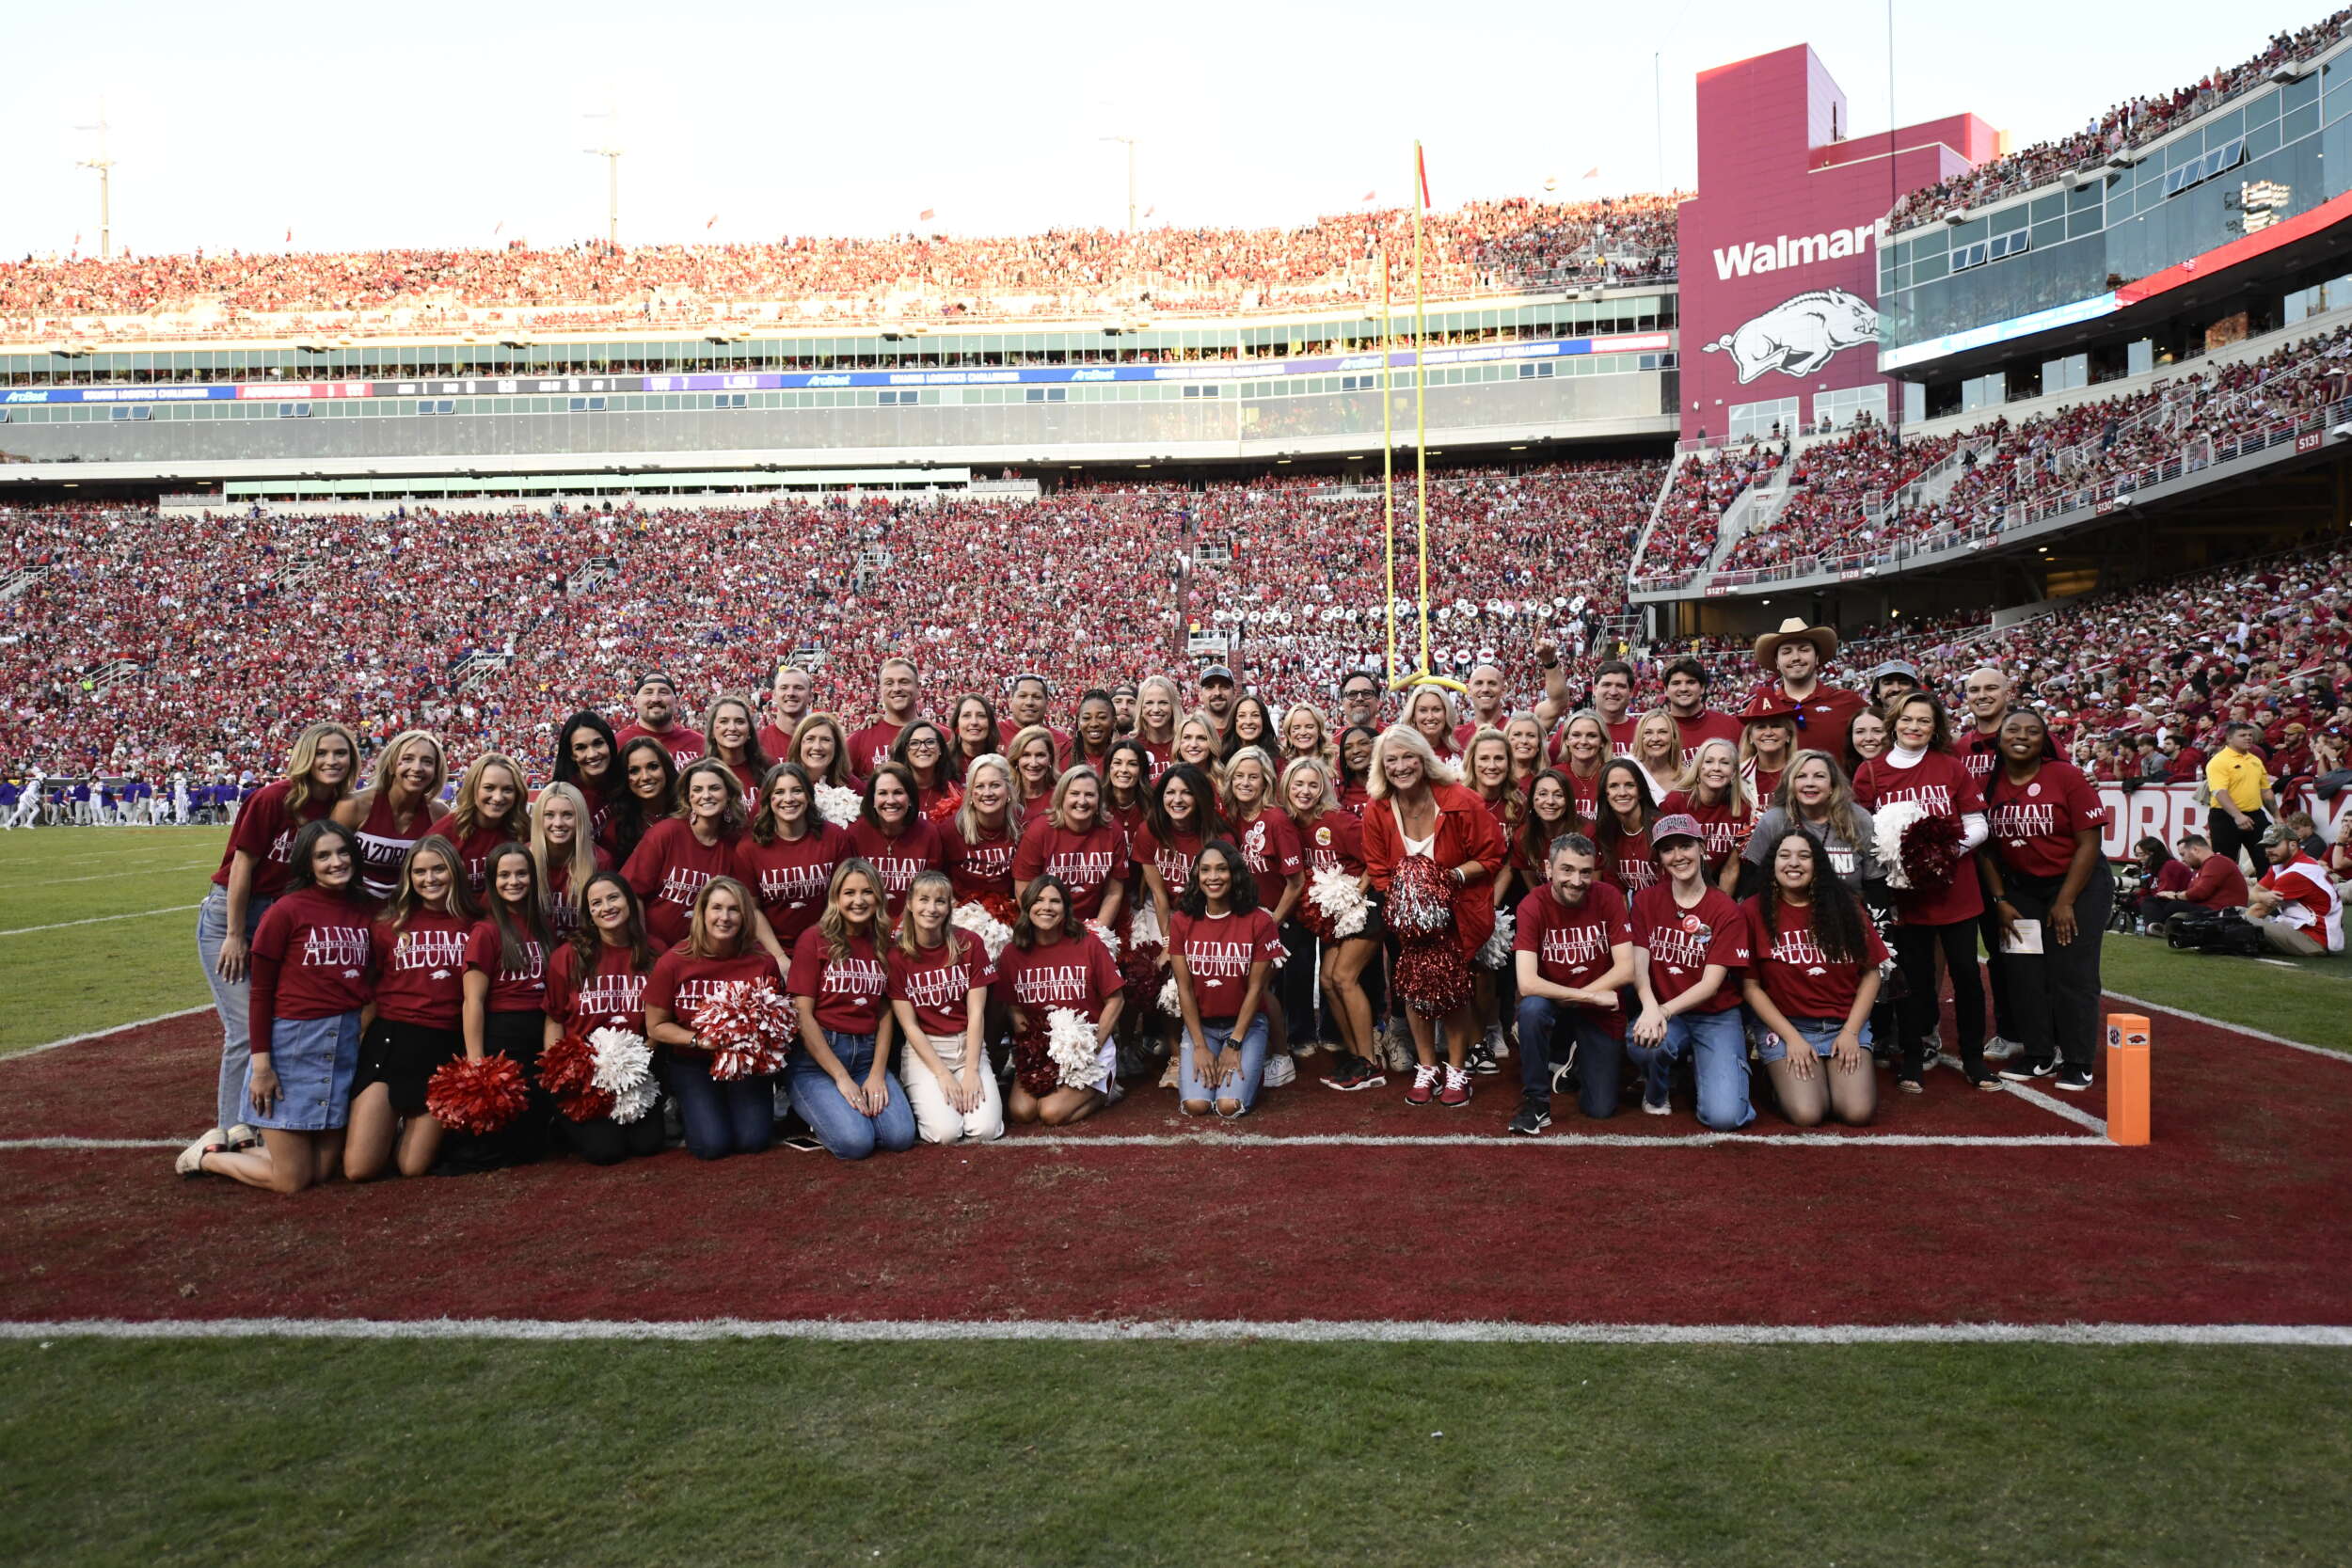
1824 640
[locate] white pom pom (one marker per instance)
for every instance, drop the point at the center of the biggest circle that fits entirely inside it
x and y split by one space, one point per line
1103 934
1495 952
1335 893
631 1104
624 1069
837 805
1171 1002
1071 1042
1887 825
1144 929
992 932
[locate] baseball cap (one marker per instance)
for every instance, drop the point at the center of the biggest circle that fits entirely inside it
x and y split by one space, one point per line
1895 667
2277 834
1216 673
1678 826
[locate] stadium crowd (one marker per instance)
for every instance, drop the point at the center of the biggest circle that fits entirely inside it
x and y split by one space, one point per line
1691 517
1480 244
2130 124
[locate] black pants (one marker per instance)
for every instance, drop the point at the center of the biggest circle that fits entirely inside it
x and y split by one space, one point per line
2005 1022
1294 986
1916 947
2056 990
606 1142
2229 838
524 1140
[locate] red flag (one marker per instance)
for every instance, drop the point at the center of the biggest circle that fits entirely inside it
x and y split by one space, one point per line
1368 195
500 230
1420 167
290 236
1148 211
925 215
713 223
1593 173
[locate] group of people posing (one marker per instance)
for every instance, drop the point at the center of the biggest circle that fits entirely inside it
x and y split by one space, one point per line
1640 905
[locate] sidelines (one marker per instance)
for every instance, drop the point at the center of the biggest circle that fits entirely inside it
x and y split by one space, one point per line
98 920
1359 1140
104 876
101 1034
2236 1028
1298 1331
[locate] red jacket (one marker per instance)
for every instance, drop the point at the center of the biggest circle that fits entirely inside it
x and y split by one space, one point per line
2217 885
1465 832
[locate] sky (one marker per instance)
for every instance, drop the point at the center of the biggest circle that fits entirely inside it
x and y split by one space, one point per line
426 124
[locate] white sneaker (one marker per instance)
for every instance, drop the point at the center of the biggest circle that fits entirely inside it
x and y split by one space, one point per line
1399 1054
190 1161
1497 1043
1280 1071
2000 1049
241 1137
1167 1075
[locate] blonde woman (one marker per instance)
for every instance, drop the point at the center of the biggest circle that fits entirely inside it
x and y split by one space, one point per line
1711 791
1157 703
1036 765
839 1074
400 805
1657 750
1074 842
253 872
490 811
722 1117
567 856
939 980
1306 734
1429 713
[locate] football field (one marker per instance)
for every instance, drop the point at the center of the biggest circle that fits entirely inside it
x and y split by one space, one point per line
1343 1329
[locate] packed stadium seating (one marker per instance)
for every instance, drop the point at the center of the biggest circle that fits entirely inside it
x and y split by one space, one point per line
2132 123
1066 272
1684 539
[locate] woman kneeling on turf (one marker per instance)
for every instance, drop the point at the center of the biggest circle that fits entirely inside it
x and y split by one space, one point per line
596 981
415 1026
1055 961
1222 949
939 980
720 1115
1812 982
312 974
839 1074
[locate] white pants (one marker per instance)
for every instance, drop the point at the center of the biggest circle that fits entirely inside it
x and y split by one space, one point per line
935 1117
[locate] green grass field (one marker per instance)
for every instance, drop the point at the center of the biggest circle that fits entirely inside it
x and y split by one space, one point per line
132 963
268 1452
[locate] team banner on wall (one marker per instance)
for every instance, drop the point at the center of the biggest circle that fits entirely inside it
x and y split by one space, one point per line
2168 811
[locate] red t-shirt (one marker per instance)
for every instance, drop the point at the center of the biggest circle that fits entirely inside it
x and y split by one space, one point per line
1088 863
1336 838
1939 782
563 916
1800 978
420 973
1682 943
1981 751
1825 719
1219 950
869 748
266 829
789 880
775 744
1270 844
318 950
849 994
384 843
1725 829
2034 824
668 869
686 985
684 745
475 849
899 861
1574 944
980 866
939 985
520 990
609 995
1173 859
1630 866
1702 727
1076 974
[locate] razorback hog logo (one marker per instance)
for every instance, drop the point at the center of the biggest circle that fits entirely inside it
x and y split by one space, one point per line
1800 334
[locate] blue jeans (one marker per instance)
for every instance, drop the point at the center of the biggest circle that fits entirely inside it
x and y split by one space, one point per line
721 1116
1717 1044
1819 1033
1600 1054
230 999
841 1127
1252 1049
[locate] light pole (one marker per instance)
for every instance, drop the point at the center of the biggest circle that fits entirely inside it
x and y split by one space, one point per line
1131 177
611 153
105 165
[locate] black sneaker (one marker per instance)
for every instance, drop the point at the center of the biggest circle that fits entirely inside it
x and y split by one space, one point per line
1482 1061
1983 1077
2026 1072
1349 1073
2073 1080
1533 1117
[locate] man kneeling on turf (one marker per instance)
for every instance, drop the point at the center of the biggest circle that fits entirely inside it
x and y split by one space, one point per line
1573 947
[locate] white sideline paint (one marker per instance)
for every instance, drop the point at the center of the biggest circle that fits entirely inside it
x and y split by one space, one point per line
97 920
1354 1140
2236 1028
103 876
2074 1113
1299 1331
101 1034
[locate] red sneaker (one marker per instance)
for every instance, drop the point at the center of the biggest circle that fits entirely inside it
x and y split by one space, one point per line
1458 1088
1425 1086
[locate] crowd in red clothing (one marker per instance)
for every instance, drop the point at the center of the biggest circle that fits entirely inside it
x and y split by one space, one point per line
1692 514
2134 123
1071 272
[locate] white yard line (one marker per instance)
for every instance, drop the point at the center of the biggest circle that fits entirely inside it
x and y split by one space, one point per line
100 1033
2240 1028
103 876
1299 1331
97 920
1549 1140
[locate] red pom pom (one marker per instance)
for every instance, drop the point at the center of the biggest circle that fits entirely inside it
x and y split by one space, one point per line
1432 975
748 1029
567 1070
478 1096
1033 1065
998 905
946 805
1421 899
1931 852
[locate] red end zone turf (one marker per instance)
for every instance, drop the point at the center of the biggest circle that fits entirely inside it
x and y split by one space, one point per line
2231 1216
